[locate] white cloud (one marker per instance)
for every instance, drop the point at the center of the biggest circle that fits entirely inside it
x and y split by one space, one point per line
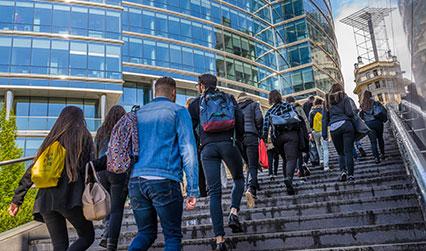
346 40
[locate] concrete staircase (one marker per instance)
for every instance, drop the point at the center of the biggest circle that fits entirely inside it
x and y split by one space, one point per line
378 211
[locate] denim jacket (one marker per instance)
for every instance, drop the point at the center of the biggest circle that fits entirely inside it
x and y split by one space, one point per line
167 144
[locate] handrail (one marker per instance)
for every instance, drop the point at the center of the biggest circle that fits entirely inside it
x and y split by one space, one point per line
414 160
14 161
414 107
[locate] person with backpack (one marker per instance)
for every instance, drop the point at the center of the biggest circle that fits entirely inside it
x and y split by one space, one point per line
315 118
253 121
221 130
287 134
374 115
339 114
64 152
115 184
166 149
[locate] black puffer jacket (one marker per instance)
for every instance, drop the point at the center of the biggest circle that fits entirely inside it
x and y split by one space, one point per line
253 118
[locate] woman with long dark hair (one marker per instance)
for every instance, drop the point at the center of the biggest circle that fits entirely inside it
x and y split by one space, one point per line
116 184
339 114
63 202
367 113
286 138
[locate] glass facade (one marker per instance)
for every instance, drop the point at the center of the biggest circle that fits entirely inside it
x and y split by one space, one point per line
94 46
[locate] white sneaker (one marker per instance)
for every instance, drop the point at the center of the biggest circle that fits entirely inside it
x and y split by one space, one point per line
326 168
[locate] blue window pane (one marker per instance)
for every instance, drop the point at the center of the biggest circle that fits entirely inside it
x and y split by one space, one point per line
148 21
175 55
38 106
78 55
96 62
79 18
20 51
149 52
55 107
135 50
162 54
61 18
22 106
5 50
96 20
40 53
42 17
6 13
188 56
113 22
24 14
113 58
59 57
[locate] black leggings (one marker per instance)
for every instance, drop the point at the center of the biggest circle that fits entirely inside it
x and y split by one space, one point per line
343 140
57 227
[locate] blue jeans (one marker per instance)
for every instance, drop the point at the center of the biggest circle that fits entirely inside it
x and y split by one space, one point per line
212 155
150 198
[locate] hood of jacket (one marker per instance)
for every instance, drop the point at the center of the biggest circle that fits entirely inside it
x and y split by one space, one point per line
244 101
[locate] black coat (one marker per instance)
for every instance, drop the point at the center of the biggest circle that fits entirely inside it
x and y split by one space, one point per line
253 118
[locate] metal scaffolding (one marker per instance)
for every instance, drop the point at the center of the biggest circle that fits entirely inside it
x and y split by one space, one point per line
370 34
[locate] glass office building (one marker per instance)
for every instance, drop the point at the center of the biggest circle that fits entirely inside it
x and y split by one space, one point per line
98 53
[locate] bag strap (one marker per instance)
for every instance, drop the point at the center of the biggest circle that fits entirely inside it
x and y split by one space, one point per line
91 166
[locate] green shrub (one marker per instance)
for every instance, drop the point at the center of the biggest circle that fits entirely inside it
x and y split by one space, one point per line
10 176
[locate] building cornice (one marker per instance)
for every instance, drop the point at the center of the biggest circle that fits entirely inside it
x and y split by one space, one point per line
60 77
90 4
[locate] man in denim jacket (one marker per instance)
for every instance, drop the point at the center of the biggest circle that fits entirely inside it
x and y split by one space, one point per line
166 149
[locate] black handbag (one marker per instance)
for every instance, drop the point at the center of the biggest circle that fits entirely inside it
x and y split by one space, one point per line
361 128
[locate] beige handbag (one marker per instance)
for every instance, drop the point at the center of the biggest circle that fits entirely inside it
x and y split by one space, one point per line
96 199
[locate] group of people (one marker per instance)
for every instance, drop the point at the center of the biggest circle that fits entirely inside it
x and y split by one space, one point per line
172 140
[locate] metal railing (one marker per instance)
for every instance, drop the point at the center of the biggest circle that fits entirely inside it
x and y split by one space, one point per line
410 147
15 161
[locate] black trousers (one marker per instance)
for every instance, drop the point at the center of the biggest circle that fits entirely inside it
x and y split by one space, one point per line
287 144
375 136
57 227
202 184
250 154
343 140
116 185
273 158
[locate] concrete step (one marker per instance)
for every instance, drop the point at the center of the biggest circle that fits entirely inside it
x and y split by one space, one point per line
292 223
389 233
405 246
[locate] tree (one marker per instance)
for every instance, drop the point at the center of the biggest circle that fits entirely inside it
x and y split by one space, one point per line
10 176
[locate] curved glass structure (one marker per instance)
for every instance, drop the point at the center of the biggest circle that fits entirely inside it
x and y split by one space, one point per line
97 53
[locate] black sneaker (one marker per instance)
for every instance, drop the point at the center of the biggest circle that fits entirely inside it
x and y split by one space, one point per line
351 178
234 224
343 177
290 188
307 171
103 243
377 161
382 157
221 247
362 153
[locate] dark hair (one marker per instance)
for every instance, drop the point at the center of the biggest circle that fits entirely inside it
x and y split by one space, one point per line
367 101
318 101
207 80
311 98
104 132
71 131
335 95
290 99
275 97
165 85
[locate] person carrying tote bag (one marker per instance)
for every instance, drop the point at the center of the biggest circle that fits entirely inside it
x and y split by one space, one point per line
96 199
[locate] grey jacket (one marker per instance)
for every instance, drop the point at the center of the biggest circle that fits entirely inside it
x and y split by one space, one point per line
344 110
253 118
